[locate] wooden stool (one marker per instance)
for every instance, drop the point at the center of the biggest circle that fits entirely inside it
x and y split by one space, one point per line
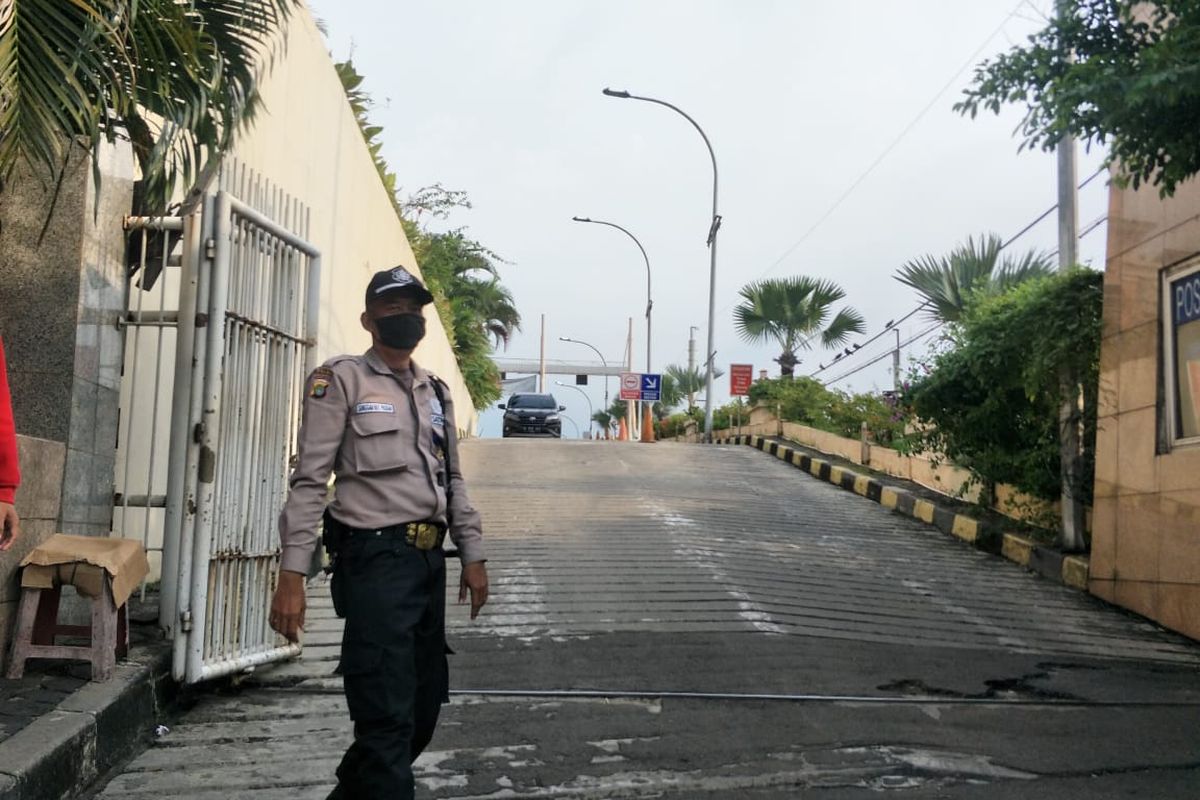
37 627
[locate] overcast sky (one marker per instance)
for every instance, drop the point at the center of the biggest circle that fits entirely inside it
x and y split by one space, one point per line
799 99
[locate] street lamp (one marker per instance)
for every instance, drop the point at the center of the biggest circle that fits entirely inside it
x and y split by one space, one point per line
713 227
591 410
649 302
602 361
578 435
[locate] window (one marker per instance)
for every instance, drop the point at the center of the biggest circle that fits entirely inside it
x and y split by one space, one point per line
1181 351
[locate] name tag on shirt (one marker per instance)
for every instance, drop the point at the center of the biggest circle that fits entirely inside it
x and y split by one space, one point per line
374 408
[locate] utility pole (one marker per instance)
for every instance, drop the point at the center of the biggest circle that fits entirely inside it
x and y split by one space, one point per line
691 366
896 363
542 361
1069 416
630 405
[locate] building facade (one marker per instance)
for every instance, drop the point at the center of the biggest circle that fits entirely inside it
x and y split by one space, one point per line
1146 524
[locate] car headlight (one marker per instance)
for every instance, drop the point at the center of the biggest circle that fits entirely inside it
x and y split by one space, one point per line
552 418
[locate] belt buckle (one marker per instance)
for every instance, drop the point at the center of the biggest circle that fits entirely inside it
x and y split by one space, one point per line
424 536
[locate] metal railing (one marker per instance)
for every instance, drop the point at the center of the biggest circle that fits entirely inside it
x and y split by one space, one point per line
150 321
222 324
259 343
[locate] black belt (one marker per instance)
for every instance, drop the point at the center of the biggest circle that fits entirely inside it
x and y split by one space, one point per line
421 535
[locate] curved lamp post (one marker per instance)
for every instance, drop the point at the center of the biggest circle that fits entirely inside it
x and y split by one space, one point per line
713 227
602 361
649 302
578 433
591 410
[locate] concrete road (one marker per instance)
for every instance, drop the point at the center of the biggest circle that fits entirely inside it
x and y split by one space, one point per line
684 621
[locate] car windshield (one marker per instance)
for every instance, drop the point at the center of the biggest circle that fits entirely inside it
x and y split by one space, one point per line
532 401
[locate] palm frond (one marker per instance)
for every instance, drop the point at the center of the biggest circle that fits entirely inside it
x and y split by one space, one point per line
1032 264
948 283
56 58
179 79
847 322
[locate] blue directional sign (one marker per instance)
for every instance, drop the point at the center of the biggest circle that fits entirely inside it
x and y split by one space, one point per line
651 387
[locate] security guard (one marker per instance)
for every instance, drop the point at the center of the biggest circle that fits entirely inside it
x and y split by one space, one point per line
385 427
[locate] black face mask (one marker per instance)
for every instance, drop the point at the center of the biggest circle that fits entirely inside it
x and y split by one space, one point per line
401 331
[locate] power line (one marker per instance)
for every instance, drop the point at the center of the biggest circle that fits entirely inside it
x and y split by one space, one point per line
886 330
892 146
1103 219
895 142
1049 210
1091 227
885 354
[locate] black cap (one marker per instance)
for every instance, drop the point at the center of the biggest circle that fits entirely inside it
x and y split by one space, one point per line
397 279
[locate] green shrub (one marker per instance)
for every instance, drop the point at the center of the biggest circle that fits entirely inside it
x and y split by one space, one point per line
847 412
676 424
804 400
991 403
809 402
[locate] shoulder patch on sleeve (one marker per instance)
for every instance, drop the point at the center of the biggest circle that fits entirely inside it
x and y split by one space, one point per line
318 382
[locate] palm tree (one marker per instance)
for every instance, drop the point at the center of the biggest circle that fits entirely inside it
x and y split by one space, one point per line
178 79
792 312
947 283
604 420
688 380
491 303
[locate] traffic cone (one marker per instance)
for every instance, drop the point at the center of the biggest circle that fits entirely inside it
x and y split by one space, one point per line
647 423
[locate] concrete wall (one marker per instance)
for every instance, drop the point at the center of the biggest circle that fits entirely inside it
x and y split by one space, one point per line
1146 528
307 143
62 294
939 476
42 463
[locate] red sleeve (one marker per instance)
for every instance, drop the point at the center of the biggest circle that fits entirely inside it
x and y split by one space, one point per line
10 473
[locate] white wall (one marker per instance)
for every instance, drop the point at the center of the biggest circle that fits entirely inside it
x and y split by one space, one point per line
307 143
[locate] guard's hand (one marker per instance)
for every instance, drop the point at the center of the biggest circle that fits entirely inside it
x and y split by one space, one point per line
288 605
10 525
474 579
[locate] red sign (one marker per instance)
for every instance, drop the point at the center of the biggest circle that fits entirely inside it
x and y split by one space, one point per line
740 378
631 386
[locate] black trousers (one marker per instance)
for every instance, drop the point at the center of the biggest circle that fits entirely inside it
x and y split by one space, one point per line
393 664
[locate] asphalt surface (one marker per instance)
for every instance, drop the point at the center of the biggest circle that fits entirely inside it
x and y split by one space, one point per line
687 621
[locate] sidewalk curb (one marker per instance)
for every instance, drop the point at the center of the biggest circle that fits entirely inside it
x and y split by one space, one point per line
88 733
1070 570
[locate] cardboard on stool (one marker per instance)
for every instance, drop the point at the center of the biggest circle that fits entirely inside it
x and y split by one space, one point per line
82 561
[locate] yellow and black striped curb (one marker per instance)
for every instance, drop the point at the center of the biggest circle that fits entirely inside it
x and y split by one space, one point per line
1071 570
984 535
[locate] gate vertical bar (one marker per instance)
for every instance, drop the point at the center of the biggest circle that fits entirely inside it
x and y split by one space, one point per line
312 314
190 487
181 400
209 433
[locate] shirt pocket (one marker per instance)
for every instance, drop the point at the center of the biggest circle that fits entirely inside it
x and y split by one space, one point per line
377 443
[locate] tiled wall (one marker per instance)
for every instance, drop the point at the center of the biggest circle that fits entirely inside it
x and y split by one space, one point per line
61 295
38 507
1146 523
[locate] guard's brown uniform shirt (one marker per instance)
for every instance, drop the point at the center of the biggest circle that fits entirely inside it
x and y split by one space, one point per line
375 429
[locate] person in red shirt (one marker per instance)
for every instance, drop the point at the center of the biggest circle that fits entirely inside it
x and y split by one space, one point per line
10 473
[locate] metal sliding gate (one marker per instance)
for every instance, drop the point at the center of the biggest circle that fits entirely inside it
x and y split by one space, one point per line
245 340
